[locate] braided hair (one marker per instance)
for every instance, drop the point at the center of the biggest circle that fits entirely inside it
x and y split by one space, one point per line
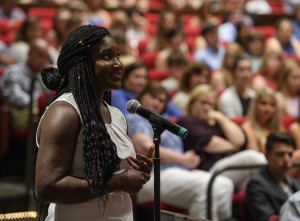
76 75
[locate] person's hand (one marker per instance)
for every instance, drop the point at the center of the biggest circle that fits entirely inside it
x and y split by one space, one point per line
215 116
142 162
135 177
132 181
191 159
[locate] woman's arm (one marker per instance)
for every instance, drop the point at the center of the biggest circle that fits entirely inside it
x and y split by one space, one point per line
220 145
233 132
251 138
294 131
58 135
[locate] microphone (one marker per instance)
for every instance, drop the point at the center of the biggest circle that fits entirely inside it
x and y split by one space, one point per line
134 107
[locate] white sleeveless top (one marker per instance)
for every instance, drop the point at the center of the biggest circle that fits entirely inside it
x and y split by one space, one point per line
119 205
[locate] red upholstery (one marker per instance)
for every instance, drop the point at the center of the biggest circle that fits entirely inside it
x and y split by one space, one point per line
239 200
238 120
190 41
191 31
148 58
266 31
273 218
186 18
157 75
7 32
142 46
276 6
286 121
45 16
152 17
156 5
42 12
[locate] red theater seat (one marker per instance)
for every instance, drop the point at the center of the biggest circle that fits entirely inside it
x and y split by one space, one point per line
266 31
158 75
7 33
148 58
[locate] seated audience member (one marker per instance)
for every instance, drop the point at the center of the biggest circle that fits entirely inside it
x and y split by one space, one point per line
290 210
58 33
30 29
79 9
235 100
181 184
269 71
227 31
288 92
175 44
6 57
283 42
195 73
215 138
134 80
242 33
167 21
17 78
211 134
269 189
296 23
254 49
119 21
136 29
223 78
176 63
213 53
97 14
16 85
10 10
263 118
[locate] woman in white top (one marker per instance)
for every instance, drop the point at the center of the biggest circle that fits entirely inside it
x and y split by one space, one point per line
86 165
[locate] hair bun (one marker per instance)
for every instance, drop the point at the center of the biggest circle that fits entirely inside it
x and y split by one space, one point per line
51 78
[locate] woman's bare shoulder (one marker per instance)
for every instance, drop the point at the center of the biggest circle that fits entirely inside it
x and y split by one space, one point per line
60 116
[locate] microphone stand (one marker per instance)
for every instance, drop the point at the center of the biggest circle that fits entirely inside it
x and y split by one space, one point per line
158 130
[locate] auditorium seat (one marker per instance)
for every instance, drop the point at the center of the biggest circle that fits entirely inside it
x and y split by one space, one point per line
156 5
266 31
7 32
45 15
287 120
148 58
152 17
157 75
274 218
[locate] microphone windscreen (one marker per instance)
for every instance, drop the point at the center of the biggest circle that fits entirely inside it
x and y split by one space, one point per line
132 106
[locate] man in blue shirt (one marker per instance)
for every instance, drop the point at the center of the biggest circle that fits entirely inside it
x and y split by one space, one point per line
213 53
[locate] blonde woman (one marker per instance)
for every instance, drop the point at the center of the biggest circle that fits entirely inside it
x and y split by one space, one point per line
215 138
262 119
268 72
289 89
